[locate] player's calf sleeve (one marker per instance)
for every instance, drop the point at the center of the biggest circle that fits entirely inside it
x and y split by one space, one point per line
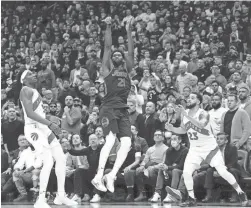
222 170
60 168
104 154
121 154
45 172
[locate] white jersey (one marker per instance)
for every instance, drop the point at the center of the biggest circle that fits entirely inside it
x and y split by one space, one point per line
36 133
200 138
37 108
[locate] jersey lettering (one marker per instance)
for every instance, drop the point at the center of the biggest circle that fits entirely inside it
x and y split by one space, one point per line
190 125
193 136
121 82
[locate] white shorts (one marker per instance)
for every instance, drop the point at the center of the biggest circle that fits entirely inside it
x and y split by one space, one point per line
38 136
212 157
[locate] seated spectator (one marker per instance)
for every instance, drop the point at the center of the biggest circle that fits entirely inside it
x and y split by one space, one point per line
22 173
231 161
7 184
140 143
149 167
171 170
92 153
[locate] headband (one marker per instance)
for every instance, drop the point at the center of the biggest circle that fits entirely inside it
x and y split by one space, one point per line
24 75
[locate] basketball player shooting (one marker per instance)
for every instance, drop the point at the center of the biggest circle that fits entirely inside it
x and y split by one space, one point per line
203 146
41 134
113 111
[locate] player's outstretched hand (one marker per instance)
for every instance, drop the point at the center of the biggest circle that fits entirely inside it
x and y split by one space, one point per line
108 20
182 110
55 128
168 126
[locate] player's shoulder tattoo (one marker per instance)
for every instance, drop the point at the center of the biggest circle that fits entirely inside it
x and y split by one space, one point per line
204 118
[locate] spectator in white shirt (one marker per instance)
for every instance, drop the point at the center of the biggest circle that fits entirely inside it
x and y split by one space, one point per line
216 113
127 18
22 174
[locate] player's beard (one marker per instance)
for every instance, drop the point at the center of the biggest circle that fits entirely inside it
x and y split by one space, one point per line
190 106
117 63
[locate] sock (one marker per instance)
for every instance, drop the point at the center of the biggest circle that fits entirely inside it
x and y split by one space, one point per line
237 188
104 154
121 154
45 172
191 193
60 168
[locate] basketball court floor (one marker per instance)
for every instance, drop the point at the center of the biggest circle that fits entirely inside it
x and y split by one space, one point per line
125 205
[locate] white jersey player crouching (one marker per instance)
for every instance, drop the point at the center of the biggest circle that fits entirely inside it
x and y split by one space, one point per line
39 132
203 146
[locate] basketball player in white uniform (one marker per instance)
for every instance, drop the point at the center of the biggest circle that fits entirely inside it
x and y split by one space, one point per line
38 131
203 146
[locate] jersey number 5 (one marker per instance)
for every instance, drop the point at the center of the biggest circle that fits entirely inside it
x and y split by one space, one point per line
121 82
193 136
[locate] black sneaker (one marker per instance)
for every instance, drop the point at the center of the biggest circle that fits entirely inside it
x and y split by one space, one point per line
190 202
243 198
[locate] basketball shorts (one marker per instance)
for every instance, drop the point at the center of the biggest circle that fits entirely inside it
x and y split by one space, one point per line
212 157
115 120
38 136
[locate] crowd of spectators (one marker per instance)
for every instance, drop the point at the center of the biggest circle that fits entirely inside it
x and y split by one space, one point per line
180 47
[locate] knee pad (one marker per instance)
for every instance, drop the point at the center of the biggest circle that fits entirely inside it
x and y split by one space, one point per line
126 142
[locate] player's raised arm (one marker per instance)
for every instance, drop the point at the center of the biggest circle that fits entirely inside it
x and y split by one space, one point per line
130 57
107 49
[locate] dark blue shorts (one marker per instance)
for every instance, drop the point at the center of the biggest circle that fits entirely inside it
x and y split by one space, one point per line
115 120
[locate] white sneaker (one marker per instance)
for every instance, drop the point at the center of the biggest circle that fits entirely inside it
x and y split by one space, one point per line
156 197
96 198
41 203
109 182
169 199
59 200
98 184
